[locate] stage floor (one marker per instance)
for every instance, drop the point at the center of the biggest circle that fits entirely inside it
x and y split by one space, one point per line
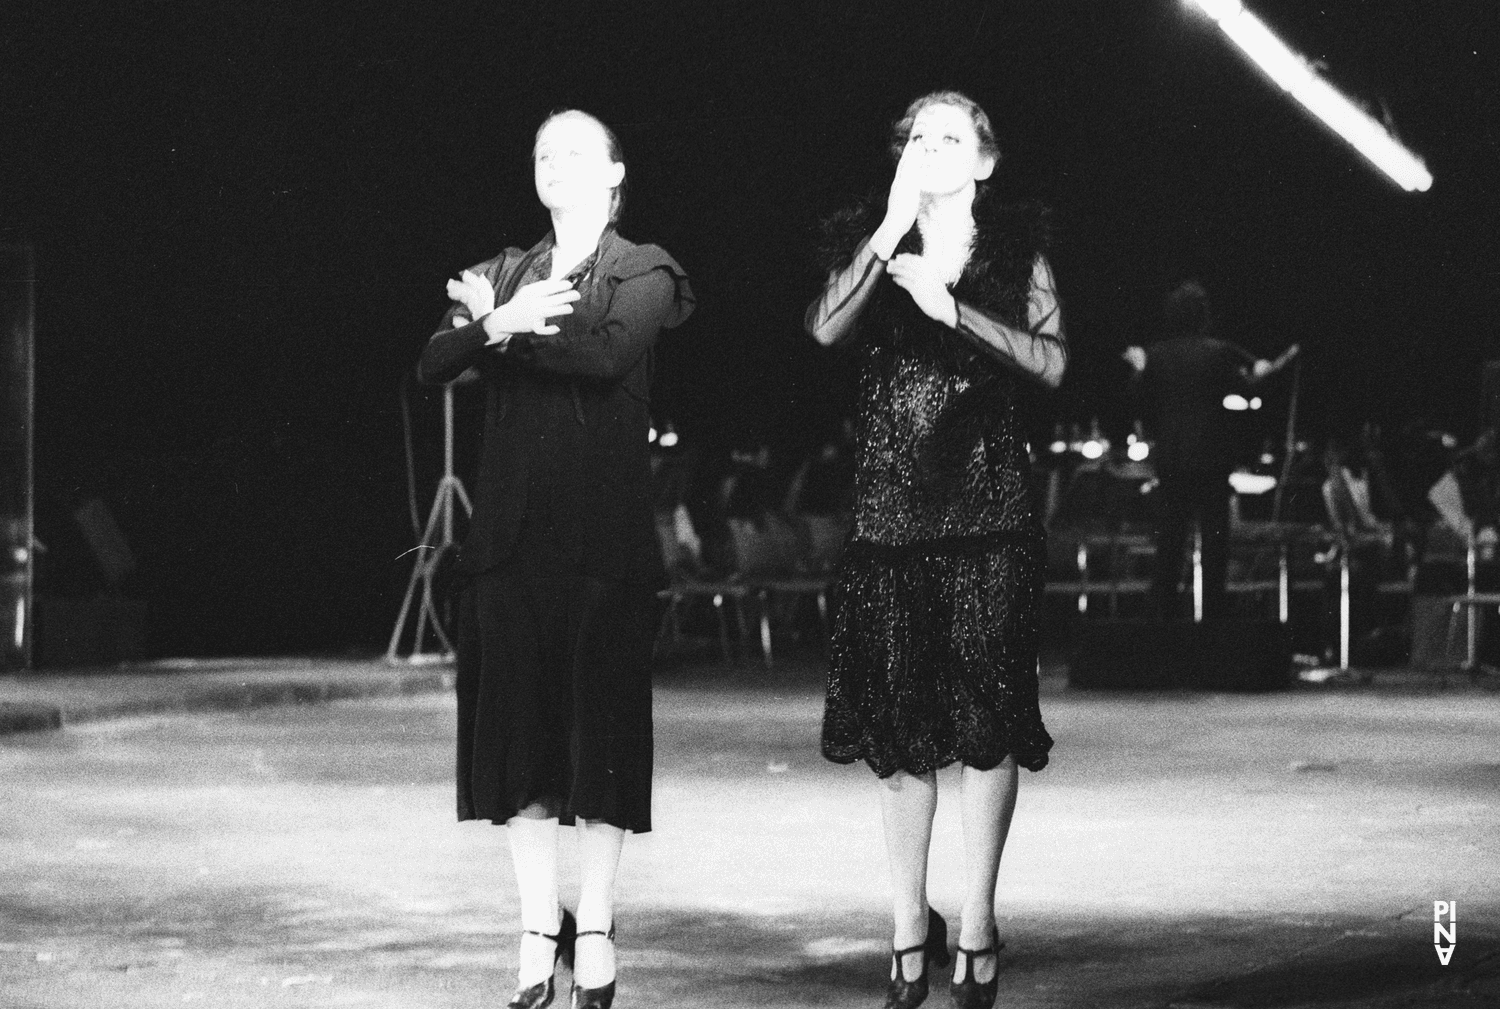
1181 850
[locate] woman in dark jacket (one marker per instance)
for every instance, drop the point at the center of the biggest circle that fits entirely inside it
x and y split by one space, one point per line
561 559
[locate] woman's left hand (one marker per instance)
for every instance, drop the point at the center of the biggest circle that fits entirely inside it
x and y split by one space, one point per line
474 292
919 278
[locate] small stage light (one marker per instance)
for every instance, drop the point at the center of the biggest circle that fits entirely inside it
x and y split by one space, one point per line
1234 401
651 436
668 438
1293 74
1251 483
1092 449
1058 447
1138 451
1255 403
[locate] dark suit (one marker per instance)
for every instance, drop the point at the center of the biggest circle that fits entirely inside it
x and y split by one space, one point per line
1182 394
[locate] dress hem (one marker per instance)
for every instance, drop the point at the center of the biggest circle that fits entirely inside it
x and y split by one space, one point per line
569 821
1030 761
564 819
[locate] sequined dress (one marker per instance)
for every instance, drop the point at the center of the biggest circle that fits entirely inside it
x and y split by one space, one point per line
933 656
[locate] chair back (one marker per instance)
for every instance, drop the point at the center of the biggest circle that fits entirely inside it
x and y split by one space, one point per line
675 555
824 537
766 547
1338 501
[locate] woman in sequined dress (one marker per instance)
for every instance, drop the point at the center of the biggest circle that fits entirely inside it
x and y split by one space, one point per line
949 302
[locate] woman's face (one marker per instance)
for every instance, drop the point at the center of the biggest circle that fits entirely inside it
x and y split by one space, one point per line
947 148
572 165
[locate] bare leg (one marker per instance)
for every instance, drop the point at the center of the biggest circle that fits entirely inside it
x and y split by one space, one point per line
907 805
599 847
533 853
989 800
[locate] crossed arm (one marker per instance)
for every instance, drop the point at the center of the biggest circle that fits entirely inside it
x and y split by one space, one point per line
1040 351
606 348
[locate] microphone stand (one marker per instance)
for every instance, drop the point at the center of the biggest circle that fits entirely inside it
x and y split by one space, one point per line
1291 443
437 540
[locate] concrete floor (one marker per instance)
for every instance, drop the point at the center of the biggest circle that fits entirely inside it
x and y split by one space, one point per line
1181 850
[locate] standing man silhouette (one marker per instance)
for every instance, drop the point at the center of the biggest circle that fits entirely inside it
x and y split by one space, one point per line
1182 381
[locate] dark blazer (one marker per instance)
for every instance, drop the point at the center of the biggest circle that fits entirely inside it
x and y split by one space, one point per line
1184 385
567 416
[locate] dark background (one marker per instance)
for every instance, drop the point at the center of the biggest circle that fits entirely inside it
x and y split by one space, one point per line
243 216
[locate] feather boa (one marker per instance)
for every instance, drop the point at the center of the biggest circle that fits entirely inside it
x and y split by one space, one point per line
997 279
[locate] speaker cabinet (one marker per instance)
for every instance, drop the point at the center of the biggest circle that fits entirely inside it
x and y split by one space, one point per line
1231 655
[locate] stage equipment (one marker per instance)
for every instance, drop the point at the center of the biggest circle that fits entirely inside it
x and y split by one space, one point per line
1251 484
1230 655
1492 394
1289 451
111 551
1472 604
1263 539
1097 446
437 541
100 630
17 389
1297 77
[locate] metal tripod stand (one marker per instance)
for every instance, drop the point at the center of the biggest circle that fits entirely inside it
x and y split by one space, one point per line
437 540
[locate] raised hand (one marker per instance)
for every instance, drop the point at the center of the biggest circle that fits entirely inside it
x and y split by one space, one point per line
530 308
901 205
919 278
474 292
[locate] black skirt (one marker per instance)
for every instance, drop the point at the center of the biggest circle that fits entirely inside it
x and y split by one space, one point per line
933 656
554 696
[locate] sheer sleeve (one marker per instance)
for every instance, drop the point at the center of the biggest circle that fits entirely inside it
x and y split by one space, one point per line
831 317
1039 351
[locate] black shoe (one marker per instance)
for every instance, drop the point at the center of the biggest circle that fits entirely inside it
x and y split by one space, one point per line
595 998
539 995
904 994
971 993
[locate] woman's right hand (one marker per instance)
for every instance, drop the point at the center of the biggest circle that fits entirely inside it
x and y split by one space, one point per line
901 204
474 292
530 308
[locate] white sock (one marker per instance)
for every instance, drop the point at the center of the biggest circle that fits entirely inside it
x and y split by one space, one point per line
599 847
533 853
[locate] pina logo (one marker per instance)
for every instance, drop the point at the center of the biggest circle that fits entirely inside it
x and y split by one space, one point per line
1444 933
